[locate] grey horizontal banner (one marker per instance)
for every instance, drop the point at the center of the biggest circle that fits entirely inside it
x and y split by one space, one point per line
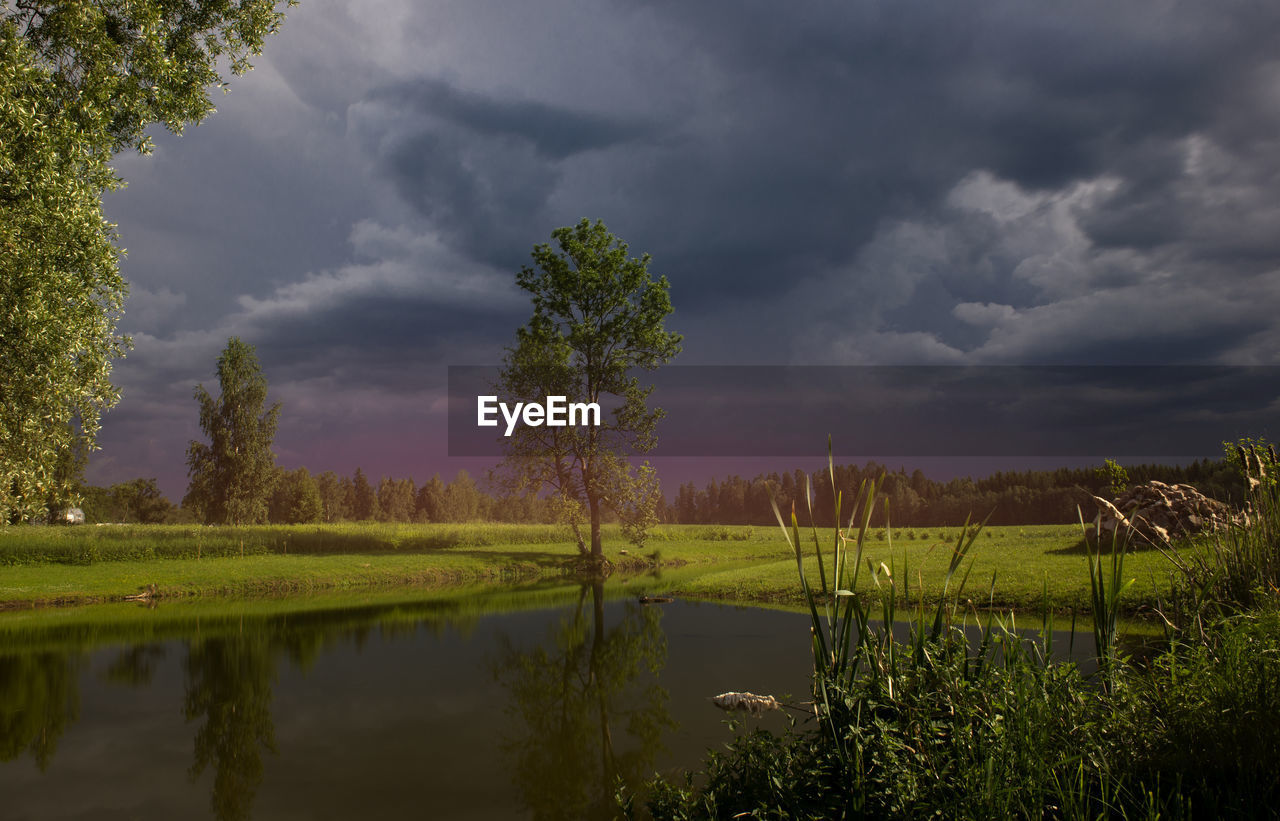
918 411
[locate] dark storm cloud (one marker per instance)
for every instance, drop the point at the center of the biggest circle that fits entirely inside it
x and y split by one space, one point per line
875 183
554 131
819 128
479 167
226 210
403 344
803 143
868 112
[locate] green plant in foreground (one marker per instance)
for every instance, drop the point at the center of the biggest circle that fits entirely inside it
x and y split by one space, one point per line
916 727
1236 568
1106 586
847 647
929 726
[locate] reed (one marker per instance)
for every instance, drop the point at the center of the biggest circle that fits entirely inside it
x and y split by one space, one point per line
849 645
1106 585
1231 570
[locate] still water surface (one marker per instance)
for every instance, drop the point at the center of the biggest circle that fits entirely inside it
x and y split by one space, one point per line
525 704
384 712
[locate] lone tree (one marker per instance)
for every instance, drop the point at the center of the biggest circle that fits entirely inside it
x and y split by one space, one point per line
81 80
232 477
597 319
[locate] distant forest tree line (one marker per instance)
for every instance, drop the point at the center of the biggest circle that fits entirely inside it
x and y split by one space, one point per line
1012 498
300 497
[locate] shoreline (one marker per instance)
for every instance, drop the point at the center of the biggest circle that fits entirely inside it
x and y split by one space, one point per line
51 568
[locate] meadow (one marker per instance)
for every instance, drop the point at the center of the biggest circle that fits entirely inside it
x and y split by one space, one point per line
66 565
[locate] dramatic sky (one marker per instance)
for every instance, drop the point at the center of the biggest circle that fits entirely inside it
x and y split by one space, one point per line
822 183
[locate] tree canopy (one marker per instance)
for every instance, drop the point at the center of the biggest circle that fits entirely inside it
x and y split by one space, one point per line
80 81
232 477
60 288
597 319
115 67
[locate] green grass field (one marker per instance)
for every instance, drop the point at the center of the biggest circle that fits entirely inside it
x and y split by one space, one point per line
47 565
1027 563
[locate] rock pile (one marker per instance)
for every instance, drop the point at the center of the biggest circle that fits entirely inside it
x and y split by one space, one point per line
1164 512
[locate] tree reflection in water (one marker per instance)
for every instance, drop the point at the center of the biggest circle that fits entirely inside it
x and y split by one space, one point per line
588 710
39 698
228 684
135 666
571 694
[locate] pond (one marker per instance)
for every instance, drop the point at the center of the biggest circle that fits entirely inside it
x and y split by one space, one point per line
521 704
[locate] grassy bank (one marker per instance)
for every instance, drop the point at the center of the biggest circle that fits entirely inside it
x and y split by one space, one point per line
51 566
47 565
82 628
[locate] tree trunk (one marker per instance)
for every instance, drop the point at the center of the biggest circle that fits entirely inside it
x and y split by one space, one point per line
577 536
593 505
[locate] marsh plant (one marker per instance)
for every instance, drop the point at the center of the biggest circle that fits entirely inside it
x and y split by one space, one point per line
1106 587
848 648
1233 568
943 723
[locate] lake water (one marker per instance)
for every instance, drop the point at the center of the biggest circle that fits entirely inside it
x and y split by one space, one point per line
386 711
521 705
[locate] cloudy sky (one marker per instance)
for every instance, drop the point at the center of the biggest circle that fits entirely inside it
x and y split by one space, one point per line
825 183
